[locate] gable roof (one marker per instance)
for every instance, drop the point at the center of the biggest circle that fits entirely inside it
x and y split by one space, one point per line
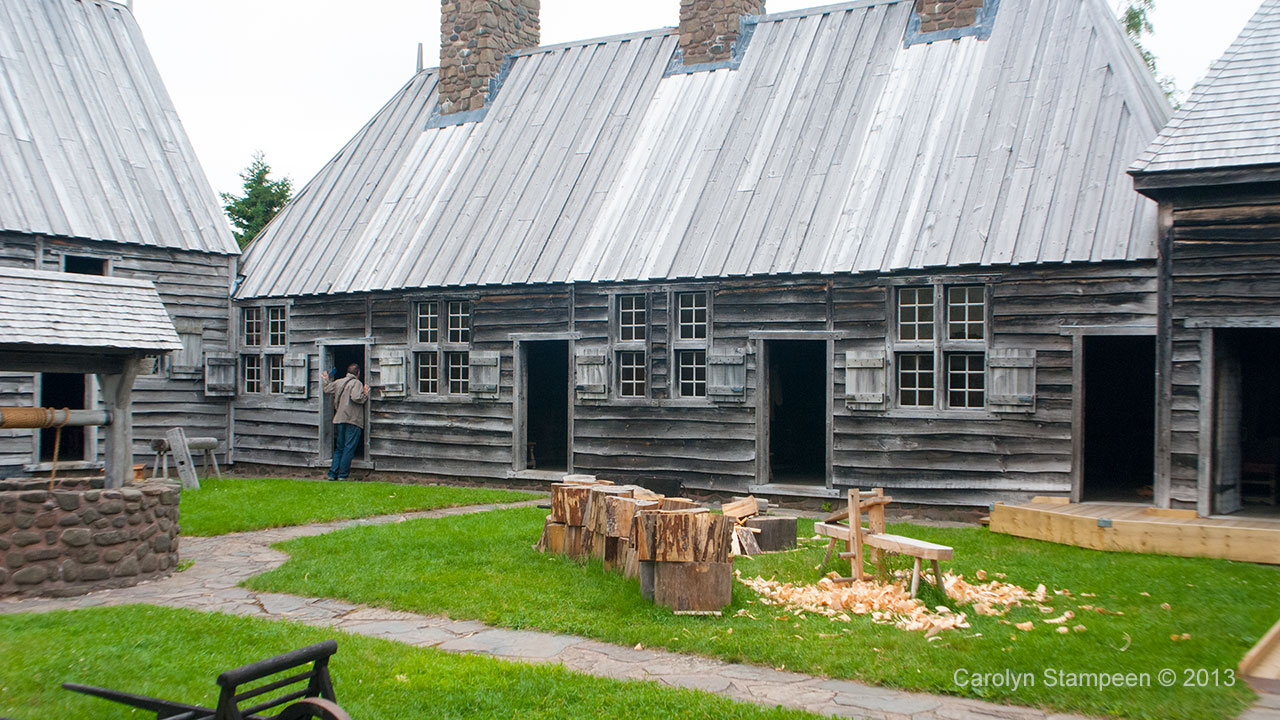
90 143
1232 117
832 148
52 309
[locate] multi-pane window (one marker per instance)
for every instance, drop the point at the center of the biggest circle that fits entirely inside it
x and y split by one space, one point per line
692 368
275 374
632 372
428 371
277 335
251 372
966 380
632 318
458 369
915 380
252 323
940 342
428 322
692 313
459 321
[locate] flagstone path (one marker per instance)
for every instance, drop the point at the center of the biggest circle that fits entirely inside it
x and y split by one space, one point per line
219 563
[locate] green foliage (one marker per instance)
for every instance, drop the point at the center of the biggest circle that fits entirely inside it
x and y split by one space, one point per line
261 200
237 505
1137 25
176 654
453 565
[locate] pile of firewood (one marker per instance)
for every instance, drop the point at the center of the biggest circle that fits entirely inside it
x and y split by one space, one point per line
678 551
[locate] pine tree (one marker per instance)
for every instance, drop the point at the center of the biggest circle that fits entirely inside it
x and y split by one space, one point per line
261 200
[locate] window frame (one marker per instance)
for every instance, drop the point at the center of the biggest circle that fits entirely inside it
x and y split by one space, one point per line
244 373
621 347
677 345
270 355
941 346
442 347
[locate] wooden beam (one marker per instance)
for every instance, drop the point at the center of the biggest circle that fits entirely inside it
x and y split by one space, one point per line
117 395
43 361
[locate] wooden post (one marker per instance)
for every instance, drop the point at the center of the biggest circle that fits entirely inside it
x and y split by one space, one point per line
855 533
177 438
117 393
875 524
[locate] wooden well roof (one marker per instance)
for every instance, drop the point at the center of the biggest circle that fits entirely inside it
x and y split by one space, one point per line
62 310
1232 117
833 148
90 143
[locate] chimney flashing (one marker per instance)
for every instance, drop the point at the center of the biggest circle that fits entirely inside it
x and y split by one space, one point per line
737 50
979 29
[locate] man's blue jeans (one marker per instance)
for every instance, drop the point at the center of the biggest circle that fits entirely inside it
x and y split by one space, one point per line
346 438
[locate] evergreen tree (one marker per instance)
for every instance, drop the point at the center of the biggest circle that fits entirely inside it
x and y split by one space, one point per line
261 200
1137 24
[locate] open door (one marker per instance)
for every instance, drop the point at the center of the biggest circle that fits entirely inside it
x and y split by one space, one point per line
335 359
1119 418
1246 438
545 404
796 411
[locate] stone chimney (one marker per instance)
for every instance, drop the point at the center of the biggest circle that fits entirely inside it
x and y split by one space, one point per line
475 38
936 15
709 28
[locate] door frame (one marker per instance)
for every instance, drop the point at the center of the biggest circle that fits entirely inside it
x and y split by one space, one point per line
520 395
761 338
324 454
91 448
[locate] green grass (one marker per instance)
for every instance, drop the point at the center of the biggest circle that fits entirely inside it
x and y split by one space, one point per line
481 567
176 654
236 505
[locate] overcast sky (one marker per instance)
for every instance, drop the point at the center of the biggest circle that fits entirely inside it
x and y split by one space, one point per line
297 78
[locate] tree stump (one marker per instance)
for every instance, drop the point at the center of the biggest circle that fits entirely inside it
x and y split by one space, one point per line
646 575
692 536
568 503
776 532
693 586
552 540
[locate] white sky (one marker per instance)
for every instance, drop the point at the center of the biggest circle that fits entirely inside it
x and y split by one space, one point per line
297 78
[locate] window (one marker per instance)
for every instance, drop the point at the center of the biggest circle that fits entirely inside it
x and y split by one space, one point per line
276 328
429 323
941 329
80 265
693 373
632 318
692 308
458 367
428 372
251 371
252 324
632 372
275 374
459 321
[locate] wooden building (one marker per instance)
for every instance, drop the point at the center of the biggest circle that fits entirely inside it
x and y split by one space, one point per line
862 244
1215 171
98 177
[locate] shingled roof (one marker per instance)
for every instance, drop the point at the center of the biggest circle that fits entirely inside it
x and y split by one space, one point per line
50 309
833 148
1232 117
90 143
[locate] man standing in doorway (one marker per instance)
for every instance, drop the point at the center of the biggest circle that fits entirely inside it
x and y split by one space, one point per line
349 396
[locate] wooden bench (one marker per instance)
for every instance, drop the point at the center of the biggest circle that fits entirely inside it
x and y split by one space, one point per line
315 700
874 537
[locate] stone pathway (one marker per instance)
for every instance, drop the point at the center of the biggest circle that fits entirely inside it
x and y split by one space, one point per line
219 563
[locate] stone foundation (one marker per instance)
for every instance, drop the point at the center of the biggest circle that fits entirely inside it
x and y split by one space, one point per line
77 538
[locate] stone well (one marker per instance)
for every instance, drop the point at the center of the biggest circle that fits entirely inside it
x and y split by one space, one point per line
77 538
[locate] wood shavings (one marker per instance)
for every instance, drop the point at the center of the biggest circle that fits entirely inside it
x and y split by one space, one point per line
1063 630
1061 619
1027 626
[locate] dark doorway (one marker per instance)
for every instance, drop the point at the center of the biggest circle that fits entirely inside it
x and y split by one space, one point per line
1119 418
546 410
62 390
1247 437
797 411
339 358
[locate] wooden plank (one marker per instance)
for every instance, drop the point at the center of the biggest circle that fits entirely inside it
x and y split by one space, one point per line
1263 659
906 546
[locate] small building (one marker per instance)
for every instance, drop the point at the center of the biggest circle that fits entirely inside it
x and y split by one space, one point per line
99 178
1215 170
877 243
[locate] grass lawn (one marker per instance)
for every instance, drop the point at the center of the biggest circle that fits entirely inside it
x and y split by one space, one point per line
481 567
236 505
176 654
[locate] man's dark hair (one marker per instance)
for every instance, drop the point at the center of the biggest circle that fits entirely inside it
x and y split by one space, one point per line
354 369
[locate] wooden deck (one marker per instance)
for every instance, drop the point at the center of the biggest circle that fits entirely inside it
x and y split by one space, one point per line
1142 529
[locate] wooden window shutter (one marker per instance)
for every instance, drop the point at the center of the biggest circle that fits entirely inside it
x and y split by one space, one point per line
727 376
297 379
220 374
486 372
187 362
865 379
1013 381
393 372
591 374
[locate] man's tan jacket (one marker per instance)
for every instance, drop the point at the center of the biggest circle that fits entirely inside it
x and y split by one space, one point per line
348 399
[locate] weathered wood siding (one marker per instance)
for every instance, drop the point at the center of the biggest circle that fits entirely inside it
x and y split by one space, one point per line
1224 263
942 456
195 288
